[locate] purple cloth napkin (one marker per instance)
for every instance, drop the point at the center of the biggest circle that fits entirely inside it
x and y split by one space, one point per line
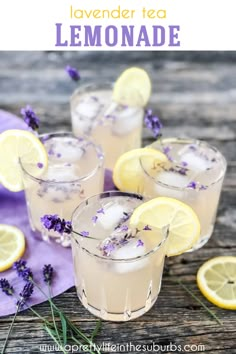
13 212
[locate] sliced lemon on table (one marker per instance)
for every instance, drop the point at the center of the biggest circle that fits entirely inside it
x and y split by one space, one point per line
181 220
12 245
16 145
216 279
128 173
133 88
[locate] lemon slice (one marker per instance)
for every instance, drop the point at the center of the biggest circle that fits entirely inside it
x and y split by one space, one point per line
216 279
128 173
184 226
133 88
21 145
12 245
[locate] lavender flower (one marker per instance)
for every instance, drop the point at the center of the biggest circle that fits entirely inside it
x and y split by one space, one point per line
73 73
166 150
192 185
124 228
108 248
152 122
6 287
25 294
101 211
47 273
30 117
40 165
140 243
147 228
22 270
94 219
202 187
53 222
84 233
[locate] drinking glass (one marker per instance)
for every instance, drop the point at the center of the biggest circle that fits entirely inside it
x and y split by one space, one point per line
74 172
117 128
118 270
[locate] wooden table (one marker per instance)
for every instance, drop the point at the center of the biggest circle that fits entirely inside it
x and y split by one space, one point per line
194 94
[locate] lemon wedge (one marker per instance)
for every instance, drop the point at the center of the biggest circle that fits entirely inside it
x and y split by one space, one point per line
16 146
179 218
12 246
216 280
128 173
133 88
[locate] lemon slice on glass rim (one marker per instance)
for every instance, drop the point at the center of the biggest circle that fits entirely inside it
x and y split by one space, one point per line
180 219
20 145
12 246
133 88
128 173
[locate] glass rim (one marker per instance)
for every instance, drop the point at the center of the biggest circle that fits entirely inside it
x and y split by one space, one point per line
91 86
187 141
97 148
164 230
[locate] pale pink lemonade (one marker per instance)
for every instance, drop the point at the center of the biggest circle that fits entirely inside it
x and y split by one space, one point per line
117 128
194 174
75 172
117 277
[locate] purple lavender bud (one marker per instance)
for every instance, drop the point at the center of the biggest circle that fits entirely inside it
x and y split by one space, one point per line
40 165
124 228
202 187
192 185
47 273
153 123
30 117
94 219
73 73
147 228
101 211
25 294
53 222
22 270
6 287
140 243
26 274
84 233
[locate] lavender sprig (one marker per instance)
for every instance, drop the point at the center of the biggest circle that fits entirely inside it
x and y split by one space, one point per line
48 273
73 73
30 117
153 123
25 294
6 287
53 222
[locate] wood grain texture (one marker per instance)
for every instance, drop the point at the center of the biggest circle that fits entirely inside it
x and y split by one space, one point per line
194 93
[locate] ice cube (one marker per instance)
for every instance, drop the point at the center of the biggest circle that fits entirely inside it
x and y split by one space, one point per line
113 213
195 161
64 150
85 113
125 118
171 179
128 251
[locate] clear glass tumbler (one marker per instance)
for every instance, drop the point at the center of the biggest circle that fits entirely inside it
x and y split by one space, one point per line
118 271
75 172
193 174
117 128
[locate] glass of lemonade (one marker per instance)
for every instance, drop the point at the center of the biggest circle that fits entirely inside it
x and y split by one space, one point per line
116 127
118 270
75 172
193 174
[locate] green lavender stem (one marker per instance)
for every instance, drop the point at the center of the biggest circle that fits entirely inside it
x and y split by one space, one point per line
199 301
9 331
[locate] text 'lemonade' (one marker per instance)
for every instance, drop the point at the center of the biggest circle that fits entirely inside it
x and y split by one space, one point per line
113 117
74 172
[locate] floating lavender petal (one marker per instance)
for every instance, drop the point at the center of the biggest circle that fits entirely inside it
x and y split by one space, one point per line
140 243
